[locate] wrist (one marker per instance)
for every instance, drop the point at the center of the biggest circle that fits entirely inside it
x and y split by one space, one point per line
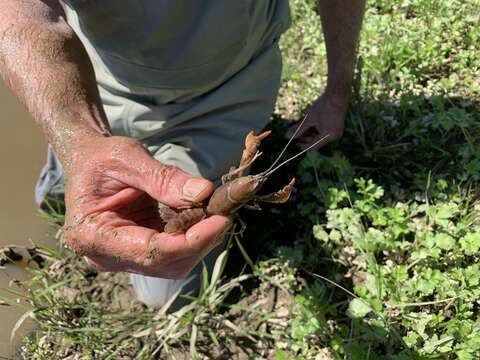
338 100
70 132
338 93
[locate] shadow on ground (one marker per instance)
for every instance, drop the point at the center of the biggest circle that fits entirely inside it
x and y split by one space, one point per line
404 146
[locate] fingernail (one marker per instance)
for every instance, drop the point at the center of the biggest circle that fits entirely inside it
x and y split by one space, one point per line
194 188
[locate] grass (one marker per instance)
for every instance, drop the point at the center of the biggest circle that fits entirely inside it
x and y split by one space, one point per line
376 255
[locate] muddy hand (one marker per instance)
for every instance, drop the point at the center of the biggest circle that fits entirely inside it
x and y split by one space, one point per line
112 195
326 117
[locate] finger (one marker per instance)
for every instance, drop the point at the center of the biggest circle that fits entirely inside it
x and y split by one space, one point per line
118 245
175 255
173 187
307 139
202 238
199 238
165 183
207 234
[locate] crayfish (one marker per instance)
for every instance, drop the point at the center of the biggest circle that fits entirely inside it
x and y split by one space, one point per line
236 190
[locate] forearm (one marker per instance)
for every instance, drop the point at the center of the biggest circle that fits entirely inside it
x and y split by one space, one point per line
47 67
341 22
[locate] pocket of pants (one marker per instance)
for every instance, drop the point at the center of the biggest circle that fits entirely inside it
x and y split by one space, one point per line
165 43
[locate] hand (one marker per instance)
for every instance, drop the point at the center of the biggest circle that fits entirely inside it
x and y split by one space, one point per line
112 194
326 117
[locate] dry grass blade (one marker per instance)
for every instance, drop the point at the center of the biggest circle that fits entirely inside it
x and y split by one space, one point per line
21 320
238 330
217 270
167 305
193 342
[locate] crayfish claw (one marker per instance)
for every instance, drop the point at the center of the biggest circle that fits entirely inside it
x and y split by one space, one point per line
252 143
279 197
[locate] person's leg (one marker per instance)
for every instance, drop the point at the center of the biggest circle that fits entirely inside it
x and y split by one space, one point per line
50 188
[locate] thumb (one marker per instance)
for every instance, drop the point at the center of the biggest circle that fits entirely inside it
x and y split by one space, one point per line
170 185
173 187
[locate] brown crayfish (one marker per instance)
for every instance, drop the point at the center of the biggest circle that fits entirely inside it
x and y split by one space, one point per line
236 190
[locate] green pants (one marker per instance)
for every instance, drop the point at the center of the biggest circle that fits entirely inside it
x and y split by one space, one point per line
187 79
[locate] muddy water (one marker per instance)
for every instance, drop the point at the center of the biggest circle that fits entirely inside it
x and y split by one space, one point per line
22 153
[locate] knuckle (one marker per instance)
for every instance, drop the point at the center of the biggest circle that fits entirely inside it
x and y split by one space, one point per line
162 176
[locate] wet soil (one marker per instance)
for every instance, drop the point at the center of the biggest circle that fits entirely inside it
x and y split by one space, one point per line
22 153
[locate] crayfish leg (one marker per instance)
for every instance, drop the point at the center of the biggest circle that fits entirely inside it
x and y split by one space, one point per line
243 227
278 197
167 214
230 175
253 206
238 172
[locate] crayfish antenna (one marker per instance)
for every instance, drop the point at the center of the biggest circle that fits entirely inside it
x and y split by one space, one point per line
289 142
270 171
237 172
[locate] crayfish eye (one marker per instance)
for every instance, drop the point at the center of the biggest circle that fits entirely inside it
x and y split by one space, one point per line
243 189
254 183
249 184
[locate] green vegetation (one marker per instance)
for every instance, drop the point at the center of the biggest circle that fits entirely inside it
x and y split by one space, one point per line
382 255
